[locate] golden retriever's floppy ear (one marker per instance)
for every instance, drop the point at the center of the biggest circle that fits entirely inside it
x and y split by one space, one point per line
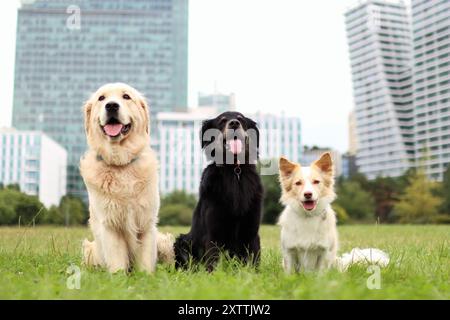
287 167
143 103
325 163
87 109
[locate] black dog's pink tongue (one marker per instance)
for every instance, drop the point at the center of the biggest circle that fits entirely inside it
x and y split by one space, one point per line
113 130
235 146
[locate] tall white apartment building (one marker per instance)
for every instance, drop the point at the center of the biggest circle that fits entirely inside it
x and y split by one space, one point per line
181 157
35 162
431 39
379 39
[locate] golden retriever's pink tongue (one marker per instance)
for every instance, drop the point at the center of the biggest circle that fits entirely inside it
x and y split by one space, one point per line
113 129
235 146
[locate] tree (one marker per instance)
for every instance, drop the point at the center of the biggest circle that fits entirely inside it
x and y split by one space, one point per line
53 216
7 214
177 208
418 204
445 192
271 203
385 191
341 215
179 197
17 205
73 210
358 203
175 214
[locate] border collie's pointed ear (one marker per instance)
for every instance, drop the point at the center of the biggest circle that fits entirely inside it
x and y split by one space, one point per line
287 167
325 163
206 124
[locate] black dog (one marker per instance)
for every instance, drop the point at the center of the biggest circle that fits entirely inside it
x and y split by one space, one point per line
228 213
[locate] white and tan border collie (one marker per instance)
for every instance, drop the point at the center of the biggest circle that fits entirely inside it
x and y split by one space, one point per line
309 238
308 223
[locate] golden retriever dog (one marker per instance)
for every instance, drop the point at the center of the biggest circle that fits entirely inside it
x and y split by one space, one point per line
120 171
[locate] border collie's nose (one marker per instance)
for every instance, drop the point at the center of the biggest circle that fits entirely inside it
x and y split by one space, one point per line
112 106
308 195
234 124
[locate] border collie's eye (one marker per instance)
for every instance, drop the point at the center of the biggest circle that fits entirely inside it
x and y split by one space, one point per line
101 98
316 182
126 97
298 183
222 120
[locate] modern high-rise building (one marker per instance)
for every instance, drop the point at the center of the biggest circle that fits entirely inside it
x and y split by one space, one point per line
66 49
352 136
379 39
431 39
280 135
181 156
35 162
311 154
222 102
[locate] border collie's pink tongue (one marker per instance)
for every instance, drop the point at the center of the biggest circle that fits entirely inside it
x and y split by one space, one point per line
235 146
113 130
309 205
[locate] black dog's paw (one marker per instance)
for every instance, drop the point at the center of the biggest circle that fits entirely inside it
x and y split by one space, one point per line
183 251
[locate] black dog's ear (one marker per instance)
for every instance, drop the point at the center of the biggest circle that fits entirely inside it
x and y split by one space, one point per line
252 125
206 125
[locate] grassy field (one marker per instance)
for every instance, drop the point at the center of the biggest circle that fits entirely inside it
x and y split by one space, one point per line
34 263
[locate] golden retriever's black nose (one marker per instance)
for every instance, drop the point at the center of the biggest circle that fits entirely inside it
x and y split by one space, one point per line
234 124
308 195
112 106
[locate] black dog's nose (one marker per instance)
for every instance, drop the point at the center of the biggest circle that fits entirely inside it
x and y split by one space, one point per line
112 106
234 124
308 195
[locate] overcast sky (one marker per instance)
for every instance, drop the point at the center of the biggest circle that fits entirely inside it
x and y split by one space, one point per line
275 55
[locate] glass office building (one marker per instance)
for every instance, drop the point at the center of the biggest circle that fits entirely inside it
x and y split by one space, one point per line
66 49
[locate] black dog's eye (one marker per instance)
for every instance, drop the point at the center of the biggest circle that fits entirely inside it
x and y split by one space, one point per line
101 98
223 120
126 97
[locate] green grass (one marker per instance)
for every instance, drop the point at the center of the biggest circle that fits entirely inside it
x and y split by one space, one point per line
33 264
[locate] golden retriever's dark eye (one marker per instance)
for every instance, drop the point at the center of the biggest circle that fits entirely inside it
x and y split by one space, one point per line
101 98
298 183
316 182
126 97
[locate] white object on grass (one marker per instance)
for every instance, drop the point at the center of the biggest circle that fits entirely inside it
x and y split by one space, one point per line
367 256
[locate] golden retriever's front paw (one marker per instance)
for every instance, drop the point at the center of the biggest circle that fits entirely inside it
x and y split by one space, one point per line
89 251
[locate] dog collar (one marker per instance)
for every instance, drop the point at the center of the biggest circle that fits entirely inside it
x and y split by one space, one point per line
100 158
237 170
